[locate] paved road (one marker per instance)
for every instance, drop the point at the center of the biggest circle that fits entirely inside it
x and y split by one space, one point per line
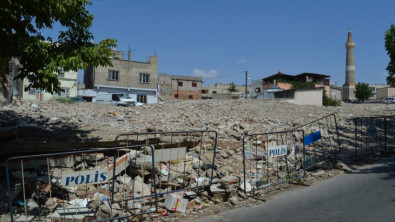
365 195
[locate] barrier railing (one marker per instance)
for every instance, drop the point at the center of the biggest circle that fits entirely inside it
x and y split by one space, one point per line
184 160
272 158
96 185
322 139
373 135
390 133
370 135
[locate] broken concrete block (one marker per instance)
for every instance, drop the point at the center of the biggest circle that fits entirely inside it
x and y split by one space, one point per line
24 218
216 188
72 213
124 179
227 181
342 166
247 186
140 188
176 203
165 155
234 200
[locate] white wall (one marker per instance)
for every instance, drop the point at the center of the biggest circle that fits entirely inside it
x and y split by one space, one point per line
308 97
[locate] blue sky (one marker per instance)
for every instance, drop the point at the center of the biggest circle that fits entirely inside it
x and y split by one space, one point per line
218 39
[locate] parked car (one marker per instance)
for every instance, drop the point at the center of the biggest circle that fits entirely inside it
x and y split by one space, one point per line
389 100
77 99
115 99
138 104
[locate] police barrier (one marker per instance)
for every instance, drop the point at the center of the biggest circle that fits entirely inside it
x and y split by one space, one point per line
272 158
90 185
321 140
184 160
373 135
390 133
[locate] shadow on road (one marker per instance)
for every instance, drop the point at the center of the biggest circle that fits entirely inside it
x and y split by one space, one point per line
388 168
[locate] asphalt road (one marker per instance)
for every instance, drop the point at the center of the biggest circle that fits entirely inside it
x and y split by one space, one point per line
365 195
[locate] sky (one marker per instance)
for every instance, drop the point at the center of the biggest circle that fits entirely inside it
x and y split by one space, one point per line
221 39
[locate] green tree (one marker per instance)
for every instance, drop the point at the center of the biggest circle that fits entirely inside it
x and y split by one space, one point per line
363 91
232 88
40 56
390 46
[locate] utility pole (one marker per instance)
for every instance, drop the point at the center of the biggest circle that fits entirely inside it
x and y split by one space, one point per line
246 84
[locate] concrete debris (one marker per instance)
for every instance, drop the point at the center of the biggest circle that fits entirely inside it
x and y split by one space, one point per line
342 166
319 173
176 203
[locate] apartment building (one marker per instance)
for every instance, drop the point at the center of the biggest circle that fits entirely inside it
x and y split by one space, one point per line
138 79
180 87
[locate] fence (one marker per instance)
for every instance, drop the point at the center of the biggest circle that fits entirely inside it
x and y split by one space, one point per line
272 158
184 160
373 135
322 139
390 129
95 185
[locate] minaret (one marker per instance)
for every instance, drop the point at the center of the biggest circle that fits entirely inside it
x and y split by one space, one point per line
349 85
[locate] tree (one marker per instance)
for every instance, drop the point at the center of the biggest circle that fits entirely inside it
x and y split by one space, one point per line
390 46
40 56
232 88
363 91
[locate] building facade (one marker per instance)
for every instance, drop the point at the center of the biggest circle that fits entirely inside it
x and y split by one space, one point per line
375 88
180 87
138 79
68 82
383 93
210 91
287 82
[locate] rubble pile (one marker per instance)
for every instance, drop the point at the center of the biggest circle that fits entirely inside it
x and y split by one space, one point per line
182 180
46 121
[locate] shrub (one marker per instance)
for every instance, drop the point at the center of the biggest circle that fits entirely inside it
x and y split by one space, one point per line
326 101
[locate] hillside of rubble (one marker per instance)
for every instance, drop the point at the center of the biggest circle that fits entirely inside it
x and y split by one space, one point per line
42 122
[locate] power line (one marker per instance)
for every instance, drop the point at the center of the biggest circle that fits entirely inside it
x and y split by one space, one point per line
230 74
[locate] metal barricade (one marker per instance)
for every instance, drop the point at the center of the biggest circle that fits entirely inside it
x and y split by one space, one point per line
90 185
184 160
272 158
321 140
373 135
390 133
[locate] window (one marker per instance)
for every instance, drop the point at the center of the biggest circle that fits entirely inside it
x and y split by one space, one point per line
180 84
214 92
194 84
113 75
176 96
144 78
190 96
60 72
142 98
115 97
257 90
66 93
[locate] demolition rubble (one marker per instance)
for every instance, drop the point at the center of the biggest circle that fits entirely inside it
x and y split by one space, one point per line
80 187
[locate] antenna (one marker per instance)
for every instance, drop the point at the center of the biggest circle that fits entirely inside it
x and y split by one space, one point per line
155 52
130 53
